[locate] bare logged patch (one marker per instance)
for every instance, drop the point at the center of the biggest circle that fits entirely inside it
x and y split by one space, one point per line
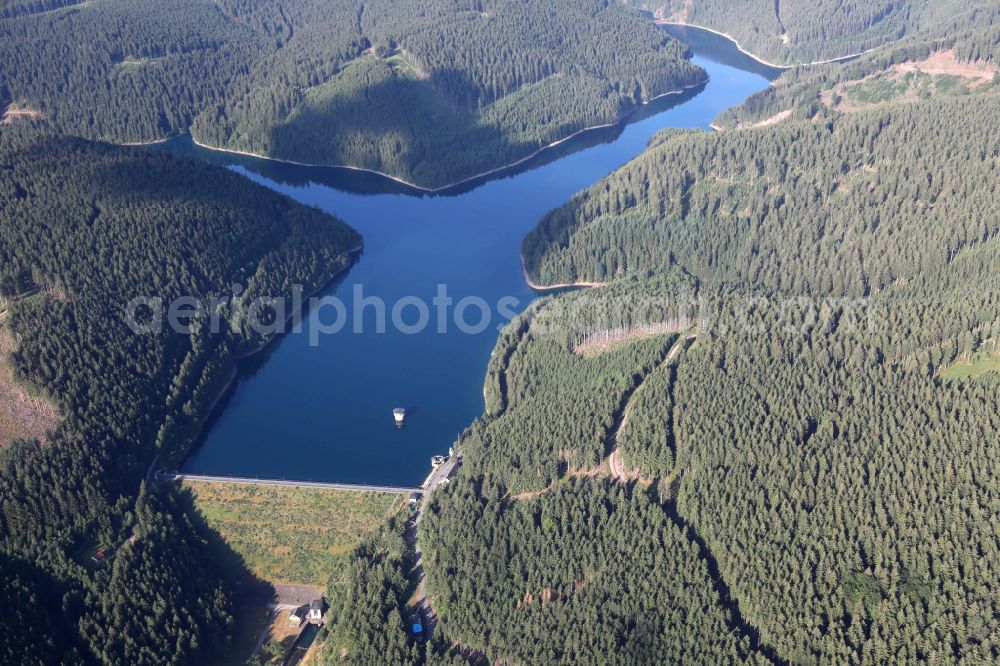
549 595
939 73
418 71
56 10
532 494
619 472
566 456
136 62
13 112
859 179
974 366
944 62
600 469
601 341
596 470
680 16
22 415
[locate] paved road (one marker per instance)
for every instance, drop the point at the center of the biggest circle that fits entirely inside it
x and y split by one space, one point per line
281 482
436 477
421 605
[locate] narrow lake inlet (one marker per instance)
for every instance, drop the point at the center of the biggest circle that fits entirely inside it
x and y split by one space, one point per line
318 405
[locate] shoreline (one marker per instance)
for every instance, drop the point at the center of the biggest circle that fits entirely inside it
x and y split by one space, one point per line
234 373
554 287
133 144
253 351
759 59
485 174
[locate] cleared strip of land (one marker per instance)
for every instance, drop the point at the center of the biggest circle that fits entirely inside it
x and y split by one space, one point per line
22 415
974 366
293 542
12 113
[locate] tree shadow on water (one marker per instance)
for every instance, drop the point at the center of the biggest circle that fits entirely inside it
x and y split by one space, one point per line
431 143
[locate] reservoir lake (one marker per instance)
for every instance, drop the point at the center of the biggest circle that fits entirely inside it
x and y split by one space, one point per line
324 412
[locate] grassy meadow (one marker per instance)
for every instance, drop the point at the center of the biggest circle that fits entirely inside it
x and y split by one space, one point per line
971 368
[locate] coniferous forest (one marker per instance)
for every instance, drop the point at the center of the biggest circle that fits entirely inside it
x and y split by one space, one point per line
790 32
84 229
431 92
807 445
748 444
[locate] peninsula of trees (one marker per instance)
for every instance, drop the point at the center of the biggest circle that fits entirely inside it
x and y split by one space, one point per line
432 92
798 450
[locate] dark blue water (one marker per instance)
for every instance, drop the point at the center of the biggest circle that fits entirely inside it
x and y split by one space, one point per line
325 412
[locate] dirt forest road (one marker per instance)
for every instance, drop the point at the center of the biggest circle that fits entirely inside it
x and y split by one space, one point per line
615 463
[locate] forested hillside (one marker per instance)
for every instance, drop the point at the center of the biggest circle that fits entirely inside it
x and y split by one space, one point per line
966 62
831 207
833 485
813 468
366 618
840 483
801 31
538 556
85 228
590 573
432 92
769 437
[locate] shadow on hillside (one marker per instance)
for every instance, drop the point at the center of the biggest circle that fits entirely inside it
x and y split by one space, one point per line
248 588
251 595
736 619
42 612
434 143
365 182
396 125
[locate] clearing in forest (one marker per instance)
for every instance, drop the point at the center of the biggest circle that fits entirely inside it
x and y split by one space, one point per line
781 116
22 414
601 341
13 112
291 535
974 366
938 74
